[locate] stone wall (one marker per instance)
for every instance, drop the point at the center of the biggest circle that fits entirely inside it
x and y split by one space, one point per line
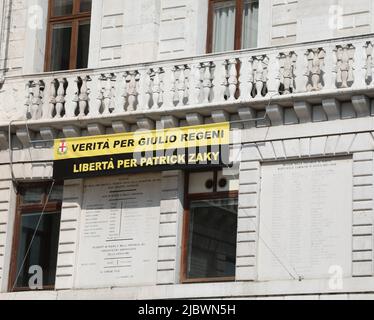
126 32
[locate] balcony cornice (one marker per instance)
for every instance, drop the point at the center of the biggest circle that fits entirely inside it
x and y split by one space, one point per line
289 101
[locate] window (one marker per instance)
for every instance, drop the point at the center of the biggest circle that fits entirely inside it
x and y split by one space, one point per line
232 25
36 235
210 229
68 34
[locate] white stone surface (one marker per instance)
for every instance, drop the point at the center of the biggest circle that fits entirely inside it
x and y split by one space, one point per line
119 224
305 226
128 32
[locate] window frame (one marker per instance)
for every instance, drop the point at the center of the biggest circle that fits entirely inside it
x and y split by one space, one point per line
24 209
188 198
75 18
239 4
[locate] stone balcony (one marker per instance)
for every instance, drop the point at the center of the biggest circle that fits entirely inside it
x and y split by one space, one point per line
316 81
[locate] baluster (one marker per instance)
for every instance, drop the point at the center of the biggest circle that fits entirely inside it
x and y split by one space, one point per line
60 99
118 99
309 56
107 94
344 57
260 71
101 97
156 87
258 77
174 85
232 80
168 87
225 84
359 70
316 60
219 82
52 99
149 85
207 81
111 92
180 85
244 92
271 67
265 73
95 98
196 80
251 78
37 100
29 97
282 82
300 76
71 97
368 62
186 80
144 88
84 96
132 89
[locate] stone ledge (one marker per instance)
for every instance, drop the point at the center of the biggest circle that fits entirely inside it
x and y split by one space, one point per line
252 290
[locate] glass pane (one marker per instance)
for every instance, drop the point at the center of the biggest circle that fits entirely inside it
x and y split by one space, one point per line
32 195
43 250
224 26
61 41
212 239
250 24
85 5
62 7
56 194
83 44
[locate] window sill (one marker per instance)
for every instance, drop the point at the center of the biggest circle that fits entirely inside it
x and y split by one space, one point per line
207 280
45 288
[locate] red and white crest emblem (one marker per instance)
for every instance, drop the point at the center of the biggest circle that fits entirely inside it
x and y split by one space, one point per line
63 147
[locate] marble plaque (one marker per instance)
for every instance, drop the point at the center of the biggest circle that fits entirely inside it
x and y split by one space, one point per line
119 231
305 219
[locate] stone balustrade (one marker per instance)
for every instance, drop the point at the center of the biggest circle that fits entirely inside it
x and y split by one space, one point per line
241 77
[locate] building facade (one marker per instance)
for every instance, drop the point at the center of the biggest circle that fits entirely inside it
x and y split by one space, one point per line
291 217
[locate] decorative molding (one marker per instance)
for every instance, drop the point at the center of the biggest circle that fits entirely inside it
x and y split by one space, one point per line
332 108
169 122
48 133
95 129
194 119
71 131
145 124
120 126
275 114
220 116
303 111
361 104
24 137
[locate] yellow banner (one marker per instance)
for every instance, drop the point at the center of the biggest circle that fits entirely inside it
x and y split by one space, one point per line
140 141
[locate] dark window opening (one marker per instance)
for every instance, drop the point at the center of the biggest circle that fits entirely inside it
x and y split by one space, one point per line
36 235
210 229
212 239
68 34
43 249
